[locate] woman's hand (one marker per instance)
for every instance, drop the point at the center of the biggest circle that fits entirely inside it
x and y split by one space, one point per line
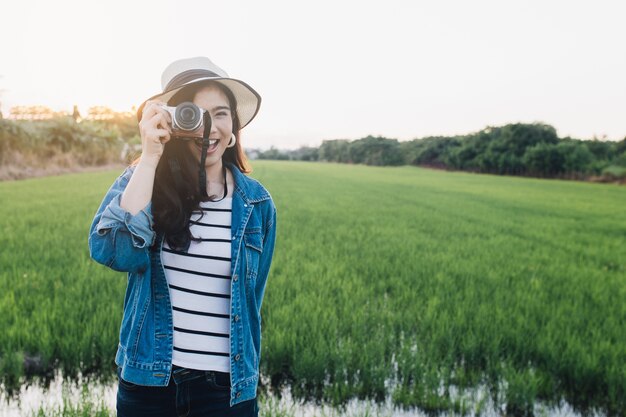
155 131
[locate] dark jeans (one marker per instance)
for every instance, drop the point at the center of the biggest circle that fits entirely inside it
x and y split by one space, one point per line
190 393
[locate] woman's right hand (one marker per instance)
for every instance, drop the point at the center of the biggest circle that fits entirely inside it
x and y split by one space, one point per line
155 131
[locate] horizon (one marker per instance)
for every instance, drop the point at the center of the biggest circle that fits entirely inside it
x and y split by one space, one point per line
62 112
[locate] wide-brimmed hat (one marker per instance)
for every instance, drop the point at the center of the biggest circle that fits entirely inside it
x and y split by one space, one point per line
186 72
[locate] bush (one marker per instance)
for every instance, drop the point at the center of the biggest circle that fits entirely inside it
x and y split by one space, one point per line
614 172
36 147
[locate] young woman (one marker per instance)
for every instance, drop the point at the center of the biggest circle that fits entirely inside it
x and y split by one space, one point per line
196 237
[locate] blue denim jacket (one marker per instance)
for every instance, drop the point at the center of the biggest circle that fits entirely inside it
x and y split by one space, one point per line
128 243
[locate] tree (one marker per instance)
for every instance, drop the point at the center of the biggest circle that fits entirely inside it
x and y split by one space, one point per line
305 153
544 159
600 149
375 151
76 114
274 154
428 151
334 151
576 156
34 113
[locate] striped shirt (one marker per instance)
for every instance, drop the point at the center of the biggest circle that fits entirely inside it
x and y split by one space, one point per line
199 286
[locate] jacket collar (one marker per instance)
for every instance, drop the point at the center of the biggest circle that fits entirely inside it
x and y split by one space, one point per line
249 189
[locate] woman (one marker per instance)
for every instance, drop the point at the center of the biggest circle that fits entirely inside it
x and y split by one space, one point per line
196 237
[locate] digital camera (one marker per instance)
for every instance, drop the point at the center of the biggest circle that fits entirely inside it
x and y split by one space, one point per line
187 120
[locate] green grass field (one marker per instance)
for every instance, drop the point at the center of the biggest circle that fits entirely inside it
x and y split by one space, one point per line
414 283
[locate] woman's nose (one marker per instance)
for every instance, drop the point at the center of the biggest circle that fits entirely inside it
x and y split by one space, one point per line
213 127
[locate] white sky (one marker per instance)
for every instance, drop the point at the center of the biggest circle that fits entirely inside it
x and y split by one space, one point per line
331 69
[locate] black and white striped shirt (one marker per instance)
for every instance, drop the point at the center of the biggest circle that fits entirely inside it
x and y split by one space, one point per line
199 285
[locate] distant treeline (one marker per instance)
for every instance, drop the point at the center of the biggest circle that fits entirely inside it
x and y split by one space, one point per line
58 144
514 149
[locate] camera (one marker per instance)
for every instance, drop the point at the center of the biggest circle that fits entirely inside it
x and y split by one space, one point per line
187 120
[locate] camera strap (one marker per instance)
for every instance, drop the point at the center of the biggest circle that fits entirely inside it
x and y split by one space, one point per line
205 146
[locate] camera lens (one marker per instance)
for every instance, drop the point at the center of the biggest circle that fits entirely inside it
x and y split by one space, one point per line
188 116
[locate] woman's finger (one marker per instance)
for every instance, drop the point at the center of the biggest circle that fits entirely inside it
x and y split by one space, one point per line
168 116
151 108
165 139
160 120
148 111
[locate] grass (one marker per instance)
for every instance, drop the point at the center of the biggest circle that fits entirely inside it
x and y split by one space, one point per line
403 282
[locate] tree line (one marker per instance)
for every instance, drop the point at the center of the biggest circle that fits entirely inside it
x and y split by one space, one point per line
514 149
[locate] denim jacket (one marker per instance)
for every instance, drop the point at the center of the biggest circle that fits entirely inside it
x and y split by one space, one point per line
128 243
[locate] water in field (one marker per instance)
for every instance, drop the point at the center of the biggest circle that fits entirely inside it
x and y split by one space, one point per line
77 398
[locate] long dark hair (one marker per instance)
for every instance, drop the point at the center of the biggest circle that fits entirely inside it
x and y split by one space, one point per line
172 205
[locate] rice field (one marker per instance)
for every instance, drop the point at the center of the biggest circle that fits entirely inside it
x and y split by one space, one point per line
436 290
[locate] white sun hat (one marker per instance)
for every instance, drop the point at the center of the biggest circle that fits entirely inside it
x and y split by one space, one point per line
186 72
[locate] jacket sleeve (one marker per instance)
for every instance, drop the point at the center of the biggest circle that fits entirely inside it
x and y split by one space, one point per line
267 255
118 239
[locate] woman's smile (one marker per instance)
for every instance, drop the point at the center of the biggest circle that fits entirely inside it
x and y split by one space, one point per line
213 145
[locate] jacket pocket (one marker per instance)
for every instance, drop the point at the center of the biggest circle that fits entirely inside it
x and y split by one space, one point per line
253 242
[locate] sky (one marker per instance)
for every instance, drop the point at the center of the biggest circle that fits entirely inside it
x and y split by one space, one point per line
333 69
